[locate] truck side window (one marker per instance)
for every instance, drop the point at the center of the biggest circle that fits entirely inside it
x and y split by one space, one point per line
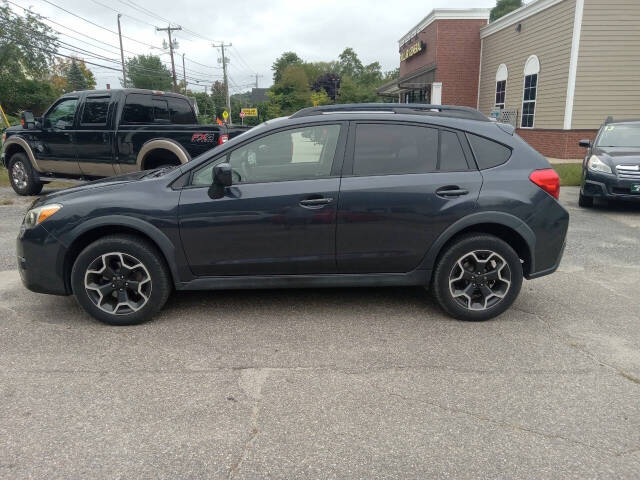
61 116
95 111
181 112
137 109
160 111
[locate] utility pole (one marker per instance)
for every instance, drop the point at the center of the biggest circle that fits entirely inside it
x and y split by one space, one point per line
184 75
124 73
169 29
226 79
258 76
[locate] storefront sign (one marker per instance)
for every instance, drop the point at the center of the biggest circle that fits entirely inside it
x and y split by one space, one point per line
412 50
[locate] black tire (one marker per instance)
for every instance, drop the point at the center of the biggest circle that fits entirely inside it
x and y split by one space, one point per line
132 248
461 249
585 201
24 179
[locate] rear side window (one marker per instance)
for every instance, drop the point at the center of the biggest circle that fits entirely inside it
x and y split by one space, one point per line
95 111
388 149
487 152
161 111
137 109
181 112
452 157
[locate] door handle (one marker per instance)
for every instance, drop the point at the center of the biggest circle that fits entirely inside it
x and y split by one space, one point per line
315 202
451 191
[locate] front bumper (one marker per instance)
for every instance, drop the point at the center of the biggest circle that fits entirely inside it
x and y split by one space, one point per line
608 186
41 261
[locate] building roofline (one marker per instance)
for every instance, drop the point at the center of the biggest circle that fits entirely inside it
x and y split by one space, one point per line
517 16
445 14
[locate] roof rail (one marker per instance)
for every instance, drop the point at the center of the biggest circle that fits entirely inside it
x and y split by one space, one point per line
399 108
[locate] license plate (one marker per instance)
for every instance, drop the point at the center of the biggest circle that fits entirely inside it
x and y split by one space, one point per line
635 188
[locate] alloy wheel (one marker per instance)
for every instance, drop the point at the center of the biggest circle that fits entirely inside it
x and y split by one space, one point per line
19 175
118 283
480 279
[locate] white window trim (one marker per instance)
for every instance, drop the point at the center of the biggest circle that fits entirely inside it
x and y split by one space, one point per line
530 68
502 75
573 64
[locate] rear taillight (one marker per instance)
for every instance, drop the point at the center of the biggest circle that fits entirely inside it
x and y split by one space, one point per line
223 139
548 180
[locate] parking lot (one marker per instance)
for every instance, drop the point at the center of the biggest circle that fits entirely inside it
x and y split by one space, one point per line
335 383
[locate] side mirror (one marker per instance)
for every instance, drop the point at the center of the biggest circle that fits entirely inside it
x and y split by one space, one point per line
585 143
222 175
27 120
222 178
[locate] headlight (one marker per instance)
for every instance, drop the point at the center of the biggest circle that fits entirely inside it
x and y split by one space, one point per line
598 165
36 216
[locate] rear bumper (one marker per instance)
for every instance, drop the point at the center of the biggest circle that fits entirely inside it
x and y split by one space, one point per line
609 187
40 261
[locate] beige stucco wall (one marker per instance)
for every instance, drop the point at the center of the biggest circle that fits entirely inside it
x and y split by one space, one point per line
546 34
608 76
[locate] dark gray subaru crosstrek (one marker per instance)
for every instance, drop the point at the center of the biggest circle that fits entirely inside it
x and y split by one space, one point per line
346 195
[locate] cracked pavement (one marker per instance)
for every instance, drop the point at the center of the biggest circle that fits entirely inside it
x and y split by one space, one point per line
335 383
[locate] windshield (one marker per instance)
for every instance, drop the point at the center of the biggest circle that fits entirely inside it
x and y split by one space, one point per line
620 136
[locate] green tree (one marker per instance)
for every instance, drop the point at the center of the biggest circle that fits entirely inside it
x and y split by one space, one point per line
60 75
27 47
282 62
292 92
148 71
503 7
75 78
349 64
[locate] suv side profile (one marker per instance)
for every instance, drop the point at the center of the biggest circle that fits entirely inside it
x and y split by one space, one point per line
344 195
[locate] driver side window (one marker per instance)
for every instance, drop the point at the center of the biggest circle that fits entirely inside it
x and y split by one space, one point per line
62 115
298 154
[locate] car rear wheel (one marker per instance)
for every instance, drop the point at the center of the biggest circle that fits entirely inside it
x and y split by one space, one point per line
23 177
584 201
121 280
477 278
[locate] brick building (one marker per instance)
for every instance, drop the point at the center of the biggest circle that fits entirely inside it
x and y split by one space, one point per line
555 69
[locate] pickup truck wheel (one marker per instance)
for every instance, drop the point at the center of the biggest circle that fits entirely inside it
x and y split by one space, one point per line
477 278
23 177
121 280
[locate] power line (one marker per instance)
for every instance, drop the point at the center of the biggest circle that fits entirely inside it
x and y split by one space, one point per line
123 14
100 26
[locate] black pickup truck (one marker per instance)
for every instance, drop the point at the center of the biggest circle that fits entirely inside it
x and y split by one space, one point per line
100 133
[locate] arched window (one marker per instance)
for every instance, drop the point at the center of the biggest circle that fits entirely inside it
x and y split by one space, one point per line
531 71
501 85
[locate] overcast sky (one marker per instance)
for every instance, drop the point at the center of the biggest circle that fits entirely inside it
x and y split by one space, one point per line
259 31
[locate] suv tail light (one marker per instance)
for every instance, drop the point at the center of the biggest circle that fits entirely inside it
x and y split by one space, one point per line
548 180
223 139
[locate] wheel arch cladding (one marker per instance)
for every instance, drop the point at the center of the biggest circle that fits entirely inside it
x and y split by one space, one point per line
164 145
91 231
502 225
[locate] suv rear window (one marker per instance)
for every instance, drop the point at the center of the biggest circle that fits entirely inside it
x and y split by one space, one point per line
452 157
487 152
388 149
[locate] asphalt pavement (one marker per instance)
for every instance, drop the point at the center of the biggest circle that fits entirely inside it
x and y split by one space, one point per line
336 383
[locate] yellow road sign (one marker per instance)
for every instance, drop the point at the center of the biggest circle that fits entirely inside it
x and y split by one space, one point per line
225 114
250 112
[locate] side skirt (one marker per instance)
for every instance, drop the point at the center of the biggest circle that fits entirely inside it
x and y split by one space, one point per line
414 278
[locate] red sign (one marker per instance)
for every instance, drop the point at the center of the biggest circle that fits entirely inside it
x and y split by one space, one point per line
241 114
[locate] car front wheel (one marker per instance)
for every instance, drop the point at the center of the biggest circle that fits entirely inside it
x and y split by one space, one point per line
121 280
477 278
24 180
584 201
